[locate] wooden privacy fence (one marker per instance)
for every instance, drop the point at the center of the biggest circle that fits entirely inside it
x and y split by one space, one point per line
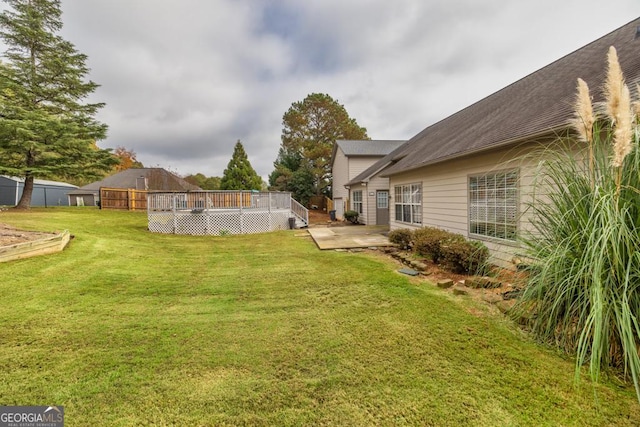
322 203
123 198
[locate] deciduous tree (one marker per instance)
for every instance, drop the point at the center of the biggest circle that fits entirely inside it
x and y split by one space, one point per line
46 128
204 182
127 159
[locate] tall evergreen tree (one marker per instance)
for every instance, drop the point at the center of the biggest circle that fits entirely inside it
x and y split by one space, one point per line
311 127
239 175
294 174
46 129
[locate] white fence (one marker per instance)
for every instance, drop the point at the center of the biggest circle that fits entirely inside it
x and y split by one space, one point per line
220 212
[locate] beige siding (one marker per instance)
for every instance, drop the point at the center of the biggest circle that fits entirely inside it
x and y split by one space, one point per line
357 165
445 194
369 196
340 173
345 169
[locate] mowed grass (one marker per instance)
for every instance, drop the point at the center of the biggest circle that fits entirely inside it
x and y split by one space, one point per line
126 327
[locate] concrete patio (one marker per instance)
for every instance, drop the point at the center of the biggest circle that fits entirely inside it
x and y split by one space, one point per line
348 237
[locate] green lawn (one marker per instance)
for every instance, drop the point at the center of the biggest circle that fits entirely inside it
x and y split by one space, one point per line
126 328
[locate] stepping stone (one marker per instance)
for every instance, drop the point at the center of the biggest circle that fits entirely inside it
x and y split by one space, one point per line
408 272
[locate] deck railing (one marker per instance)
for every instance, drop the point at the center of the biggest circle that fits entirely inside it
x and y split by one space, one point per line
300 211
216 200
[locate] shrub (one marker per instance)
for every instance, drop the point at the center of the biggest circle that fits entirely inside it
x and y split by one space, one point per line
427 241
351 216
464 256
401 237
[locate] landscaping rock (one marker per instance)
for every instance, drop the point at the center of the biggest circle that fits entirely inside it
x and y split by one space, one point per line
408 271
483 282
460 290
491 298
444 283
505 306
513 294
418 265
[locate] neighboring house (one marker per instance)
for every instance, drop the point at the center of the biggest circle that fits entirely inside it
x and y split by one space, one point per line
153 179
45 193
471 173
348 160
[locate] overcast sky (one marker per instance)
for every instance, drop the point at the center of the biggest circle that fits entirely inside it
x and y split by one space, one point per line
183 80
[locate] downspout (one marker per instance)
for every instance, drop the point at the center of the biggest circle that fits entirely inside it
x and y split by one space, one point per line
17 192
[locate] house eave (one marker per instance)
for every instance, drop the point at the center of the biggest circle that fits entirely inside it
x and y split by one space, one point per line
510 142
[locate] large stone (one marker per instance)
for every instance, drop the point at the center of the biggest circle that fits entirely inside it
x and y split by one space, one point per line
491 298
460 290
478 282
418 265
444 283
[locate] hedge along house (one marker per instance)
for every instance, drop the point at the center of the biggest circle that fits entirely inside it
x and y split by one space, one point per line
472 173
152 179
45 193
348 160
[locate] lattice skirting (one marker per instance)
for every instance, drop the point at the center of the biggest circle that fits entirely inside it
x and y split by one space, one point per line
218 223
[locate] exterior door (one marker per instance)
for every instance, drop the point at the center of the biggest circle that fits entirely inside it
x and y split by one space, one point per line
382 207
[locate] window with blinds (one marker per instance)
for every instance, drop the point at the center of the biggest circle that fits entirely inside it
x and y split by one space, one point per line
408 203
493 205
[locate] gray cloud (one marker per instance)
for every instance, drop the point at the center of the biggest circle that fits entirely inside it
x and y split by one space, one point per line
183 80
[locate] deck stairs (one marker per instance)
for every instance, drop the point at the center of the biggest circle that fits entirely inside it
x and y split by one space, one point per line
300 213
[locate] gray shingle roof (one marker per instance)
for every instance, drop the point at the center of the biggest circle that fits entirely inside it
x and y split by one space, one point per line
368 147
157 178
538 103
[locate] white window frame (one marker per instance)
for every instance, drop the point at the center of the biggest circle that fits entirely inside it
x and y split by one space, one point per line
408 203
382 202
356 201
494 205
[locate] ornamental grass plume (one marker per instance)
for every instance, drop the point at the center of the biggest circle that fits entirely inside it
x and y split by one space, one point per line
584 119
613 85
623 132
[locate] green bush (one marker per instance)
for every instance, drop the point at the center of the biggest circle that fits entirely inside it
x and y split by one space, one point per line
427 241
351 216
401 237
464 256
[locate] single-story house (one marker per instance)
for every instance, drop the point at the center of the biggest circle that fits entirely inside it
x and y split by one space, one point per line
348 159
45 193
152 179
471 173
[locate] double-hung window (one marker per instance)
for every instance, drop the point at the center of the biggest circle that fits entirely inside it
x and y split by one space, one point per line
356 203
408 203
493 205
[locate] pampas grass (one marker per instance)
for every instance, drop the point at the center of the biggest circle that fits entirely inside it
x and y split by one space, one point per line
583 293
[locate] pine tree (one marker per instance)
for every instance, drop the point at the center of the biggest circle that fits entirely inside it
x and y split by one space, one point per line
311 127
239 175
46 130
